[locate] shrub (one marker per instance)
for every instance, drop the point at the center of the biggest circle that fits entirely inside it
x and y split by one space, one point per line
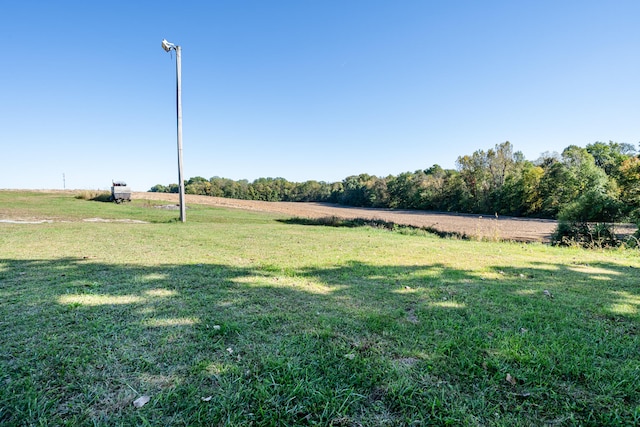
582 233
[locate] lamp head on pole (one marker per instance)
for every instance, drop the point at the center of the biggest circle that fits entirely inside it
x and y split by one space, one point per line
167 46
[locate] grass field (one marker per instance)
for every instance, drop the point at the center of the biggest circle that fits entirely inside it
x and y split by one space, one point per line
238 319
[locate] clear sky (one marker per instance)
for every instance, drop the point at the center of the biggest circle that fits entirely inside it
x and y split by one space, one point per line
305 89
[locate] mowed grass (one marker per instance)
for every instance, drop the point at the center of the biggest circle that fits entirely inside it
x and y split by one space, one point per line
238 319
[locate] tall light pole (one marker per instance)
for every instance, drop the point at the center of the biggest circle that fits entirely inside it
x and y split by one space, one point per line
168 47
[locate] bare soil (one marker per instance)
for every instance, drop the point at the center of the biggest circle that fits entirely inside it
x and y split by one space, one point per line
478 226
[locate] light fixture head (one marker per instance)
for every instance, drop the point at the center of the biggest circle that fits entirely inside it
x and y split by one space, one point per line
167 46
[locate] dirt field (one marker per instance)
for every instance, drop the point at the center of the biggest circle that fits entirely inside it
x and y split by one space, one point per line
487 227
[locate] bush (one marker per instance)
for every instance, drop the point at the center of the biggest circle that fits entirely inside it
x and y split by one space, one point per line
581 233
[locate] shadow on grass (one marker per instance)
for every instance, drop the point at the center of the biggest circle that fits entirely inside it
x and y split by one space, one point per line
356 344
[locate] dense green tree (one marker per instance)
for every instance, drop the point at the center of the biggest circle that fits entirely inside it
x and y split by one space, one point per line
271 189
485 173
501 161
531 203
565 181
629 182
593 194
556 188
475 175
311 191
404 190
432 186
198 185
337 191
364 190
377 192
456 196
520 194
159 188
610 156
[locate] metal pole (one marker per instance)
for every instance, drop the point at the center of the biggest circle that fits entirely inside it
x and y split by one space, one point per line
183 215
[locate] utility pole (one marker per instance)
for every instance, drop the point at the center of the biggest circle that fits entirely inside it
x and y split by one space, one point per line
168 47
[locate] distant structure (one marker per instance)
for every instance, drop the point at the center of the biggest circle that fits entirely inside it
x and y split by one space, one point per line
120 192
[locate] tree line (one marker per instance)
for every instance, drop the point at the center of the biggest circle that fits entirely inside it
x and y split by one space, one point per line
599 183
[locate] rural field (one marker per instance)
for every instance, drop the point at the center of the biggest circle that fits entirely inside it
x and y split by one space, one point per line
477 226
120 315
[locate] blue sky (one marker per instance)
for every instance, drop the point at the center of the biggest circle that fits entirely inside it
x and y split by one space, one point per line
305 89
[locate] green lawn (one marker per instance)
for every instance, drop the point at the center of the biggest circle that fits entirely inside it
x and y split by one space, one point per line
236 318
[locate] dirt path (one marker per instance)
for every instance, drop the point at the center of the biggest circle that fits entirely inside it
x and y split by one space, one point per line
488 227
